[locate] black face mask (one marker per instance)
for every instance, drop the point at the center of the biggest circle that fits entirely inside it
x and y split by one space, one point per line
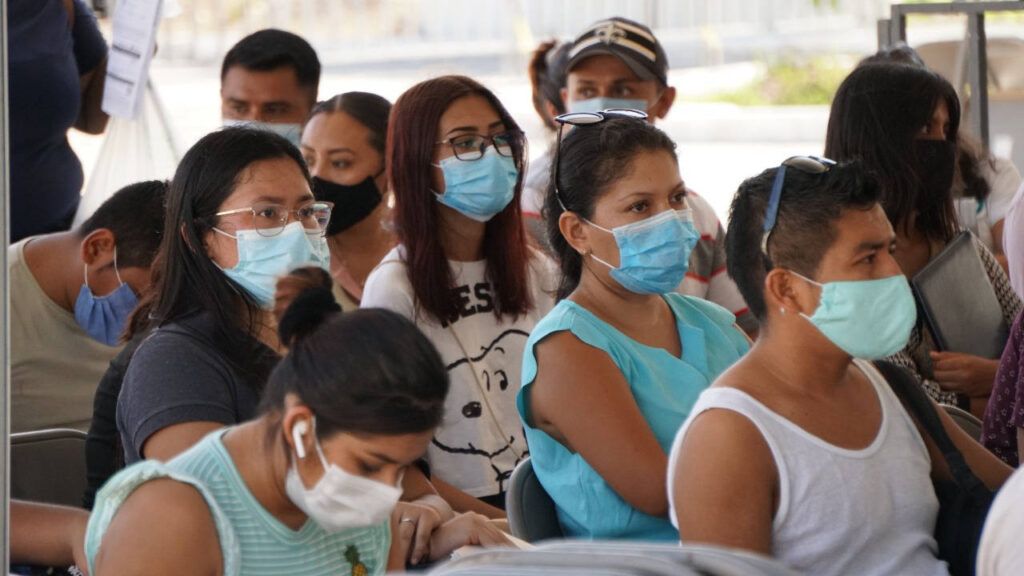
936 162
351 203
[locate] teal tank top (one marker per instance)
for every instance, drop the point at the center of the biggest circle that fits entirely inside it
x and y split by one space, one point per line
252 541
665 388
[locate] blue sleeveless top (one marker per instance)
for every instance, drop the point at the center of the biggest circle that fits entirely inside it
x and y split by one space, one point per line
252 541
665 389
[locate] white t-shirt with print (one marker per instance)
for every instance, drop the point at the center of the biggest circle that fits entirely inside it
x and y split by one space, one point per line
481 438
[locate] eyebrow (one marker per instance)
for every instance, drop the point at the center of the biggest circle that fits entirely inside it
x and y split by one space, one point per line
680 187
382 457
872 245
278 199
492 125
342 149
274 199
624 80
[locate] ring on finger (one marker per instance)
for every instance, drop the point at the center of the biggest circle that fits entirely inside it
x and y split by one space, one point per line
407 520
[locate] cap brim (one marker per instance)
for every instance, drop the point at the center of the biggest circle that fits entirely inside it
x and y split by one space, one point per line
642 71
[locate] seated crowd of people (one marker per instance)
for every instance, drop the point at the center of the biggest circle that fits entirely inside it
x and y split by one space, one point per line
328 341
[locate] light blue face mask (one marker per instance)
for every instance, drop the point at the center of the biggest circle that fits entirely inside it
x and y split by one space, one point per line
479 189
291 131
104 317
262 260
599 104
654 253
867 319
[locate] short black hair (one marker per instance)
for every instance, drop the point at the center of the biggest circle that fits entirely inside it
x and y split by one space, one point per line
592 158
135 214
271 49
804 228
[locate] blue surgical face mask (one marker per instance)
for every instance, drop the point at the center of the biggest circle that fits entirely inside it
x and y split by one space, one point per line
480 188
104 317
599 104
867 319
262 260
654 254
291 131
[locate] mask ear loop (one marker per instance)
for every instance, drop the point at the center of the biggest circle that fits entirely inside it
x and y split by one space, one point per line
813 282
591 252
116 272
483 393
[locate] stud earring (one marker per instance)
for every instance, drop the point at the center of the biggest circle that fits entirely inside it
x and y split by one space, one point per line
782 310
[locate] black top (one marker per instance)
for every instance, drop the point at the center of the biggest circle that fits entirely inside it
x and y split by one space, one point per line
104 454
181 373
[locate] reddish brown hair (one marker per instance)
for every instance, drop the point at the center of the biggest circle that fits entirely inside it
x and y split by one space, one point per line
412 133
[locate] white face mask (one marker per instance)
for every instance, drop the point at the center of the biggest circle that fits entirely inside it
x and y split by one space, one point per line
291 131
340 500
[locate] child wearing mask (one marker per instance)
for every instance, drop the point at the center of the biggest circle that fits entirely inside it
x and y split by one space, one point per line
71 296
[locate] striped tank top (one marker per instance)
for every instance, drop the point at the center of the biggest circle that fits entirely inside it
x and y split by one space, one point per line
252 541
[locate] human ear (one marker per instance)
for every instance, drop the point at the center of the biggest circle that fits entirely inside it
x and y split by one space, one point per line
98 248
299 431
574 231
780 291
664 103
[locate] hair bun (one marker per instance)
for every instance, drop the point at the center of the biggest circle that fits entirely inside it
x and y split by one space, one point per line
305 314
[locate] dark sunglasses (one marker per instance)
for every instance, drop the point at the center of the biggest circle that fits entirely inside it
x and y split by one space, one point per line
586 119
805 164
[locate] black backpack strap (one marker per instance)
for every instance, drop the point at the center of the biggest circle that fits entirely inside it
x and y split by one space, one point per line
922 409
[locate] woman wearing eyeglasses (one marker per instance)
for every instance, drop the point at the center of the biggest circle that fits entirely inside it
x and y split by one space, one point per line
901 122
464 274
613 371
240 214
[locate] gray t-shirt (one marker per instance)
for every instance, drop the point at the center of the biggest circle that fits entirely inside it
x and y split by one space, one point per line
179 374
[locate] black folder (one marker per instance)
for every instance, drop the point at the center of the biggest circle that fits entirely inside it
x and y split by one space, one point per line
958 302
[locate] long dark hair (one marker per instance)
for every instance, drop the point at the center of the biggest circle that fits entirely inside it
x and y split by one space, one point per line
592 158
971 156
185 280
876 115
412 132
367 371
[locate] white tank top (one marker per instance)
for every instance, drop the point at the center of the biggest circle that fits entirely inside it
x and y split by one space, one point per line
869 511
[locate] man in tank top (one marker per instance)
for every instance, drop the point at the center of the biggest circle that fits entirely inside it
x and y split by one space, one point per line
801 450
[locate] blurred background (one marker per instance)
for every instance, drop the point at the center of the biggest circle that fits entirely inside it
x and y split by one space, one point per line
755 77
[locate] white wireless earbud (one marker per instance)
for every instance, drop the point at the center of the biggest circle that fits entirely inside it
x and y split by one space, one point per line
298 431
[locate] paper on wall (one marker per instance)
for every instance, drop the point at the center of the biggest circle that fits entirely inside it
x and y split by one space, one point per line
131 50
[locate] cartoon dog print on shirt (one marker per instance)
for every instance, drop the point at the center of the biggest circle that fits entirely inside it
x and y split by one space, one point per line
496 365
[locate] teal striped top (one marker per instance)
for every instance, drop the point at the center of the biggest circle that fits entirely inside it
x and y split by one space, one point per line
252 541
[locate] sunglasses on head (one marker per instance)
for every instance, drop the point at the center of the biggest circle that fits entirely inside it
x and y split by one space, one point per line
586 119
805 164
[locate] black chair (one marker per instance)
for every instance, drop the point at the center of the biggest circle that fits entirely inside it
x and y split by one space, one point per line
48 466
965 420
531 512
